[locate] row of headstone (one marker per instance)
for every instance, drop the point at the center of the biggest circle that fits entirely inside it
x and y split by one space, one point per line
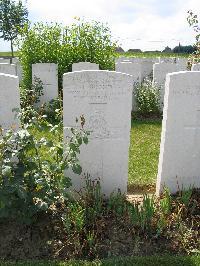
104 99
47 73
141 68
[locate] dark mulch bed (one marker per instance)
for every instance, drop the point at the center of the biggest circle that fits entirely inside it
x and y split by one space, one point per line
48 239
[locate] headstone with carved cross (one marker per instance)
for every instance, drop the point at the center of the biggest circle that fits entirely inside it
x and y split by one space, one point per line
179 161
104 99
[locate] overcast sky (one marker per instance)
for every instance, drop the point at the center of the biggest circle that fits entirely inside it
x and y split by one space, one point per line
144 24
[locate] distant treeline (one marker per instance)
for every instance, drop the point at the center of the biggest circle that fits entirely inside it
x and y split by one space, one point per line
180 49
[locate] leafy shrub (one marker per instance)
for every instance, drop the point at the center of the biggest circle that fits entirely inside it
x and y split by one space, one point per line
147 99
32 169
194 23
51 43
29 99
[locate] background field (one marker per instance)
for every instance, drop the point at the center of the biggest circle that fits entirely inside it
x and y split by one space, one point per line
144 54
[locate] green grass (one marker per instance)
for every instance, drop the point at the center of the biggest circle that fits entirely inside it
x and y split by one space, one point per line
143 54
144 152
121 261
7 54
151 54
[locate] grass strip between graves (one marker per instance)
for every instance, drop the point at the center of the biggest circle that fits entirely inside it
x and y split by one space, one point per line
144 152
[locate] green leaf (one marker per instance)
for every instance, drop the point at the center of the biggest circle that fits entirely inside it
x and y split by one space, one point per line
6 171
77 169
85 139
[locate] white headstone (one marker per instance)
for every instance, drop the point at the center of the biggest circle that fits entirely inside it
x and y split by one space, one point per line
48 74
4 61
19 71
15 60
122 59
180 138
9 100
160 70
196 67
104 99
133 69
146 68
9 69
171 60
182 64
84 66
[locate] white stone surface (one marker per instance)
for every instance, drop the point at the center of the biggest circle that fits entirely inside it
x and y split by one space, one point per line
104 98
4 61
160 70
171 60
15 60
19 70
182 64
84 66
146 68
180 138
122 59
196 67
133 69
9 69
48 74
9 99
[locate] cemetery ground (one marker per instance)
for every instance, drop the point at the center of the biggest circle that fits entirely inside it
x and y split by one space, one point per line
106 230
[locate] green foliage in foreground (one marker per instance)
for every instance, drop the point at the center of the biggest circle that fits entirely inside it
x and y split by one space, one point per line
144 152
29 181
121 261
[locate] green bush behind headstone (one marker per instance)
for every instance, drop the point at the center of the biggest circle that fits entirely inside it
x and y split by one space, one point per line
53 43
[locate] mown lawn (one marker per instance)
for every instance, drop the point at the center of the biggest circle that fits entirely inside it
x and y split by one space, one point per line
132 261
144 153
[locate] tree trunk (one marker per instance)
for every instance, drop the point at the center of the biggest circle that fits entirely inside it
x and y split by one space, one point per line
11 42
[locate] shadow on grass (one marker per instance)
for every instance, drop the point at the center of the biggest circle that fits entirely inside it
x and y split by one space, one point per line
135 122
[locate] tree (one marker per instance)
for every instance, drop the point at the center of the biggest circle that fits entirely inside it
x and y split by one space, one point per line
167 50
13 17
187 49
